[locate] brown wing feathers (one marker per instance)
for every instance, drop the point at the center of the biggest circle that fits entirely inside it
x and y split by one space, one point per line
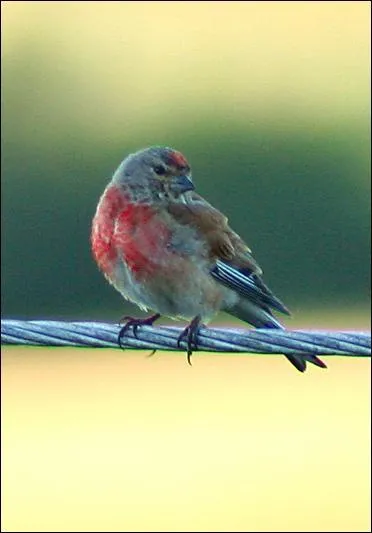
223 242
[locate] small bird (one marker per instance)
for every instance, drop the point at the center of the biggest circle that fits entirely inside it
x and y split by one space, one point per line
165 248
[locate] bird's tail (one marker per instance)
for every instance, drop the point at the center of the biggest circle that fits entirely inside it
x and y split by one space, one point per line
262 318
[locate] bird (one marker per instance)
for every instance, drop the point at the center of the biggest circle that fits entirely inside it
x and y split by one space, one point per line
169 251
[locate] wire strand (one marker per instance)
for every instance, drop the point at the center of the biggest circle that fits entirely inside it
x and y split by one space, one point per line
104 335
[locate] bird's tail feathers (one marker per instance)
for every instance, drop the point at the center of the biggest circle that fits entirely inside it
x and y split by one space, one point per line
260 317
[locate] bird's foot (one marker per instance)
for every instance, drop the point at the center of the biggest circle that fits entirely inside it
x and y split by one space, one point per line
131 322
190 335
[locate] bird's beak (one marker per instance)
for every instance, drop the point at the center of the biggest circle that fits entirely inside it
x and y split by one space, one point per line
181 184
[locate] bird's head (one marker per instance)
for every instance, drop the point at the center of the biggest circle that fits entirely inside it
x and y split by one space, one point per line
157 174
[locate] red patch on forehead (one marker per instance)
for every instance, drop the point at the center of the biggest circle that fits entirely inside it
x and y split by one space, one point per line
178 159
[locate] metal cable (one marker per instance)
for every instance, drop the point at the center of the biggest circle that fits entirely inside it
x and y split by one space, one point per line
103 335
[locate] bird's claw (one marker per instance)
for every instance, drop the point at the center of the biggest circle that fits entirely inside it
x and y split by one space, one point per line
190 336
134 323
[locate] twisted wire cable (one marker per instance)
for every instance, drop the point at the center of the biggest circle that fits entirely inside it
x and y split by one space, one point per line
104 335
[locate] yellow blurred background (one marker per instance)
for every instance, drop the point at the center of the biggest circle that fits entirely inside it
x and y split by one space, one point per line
100 440
256 59
104 440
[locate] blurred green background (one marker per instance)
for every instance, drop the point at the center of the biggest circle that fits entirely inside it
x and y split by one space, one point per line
269 101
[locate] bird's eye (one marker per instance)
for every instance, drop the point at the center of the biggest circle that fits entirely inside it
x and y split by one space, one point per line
160 170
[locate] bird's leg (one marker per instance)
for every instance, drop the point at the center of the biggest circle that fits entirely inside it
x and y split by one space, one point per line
190 335
135 323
